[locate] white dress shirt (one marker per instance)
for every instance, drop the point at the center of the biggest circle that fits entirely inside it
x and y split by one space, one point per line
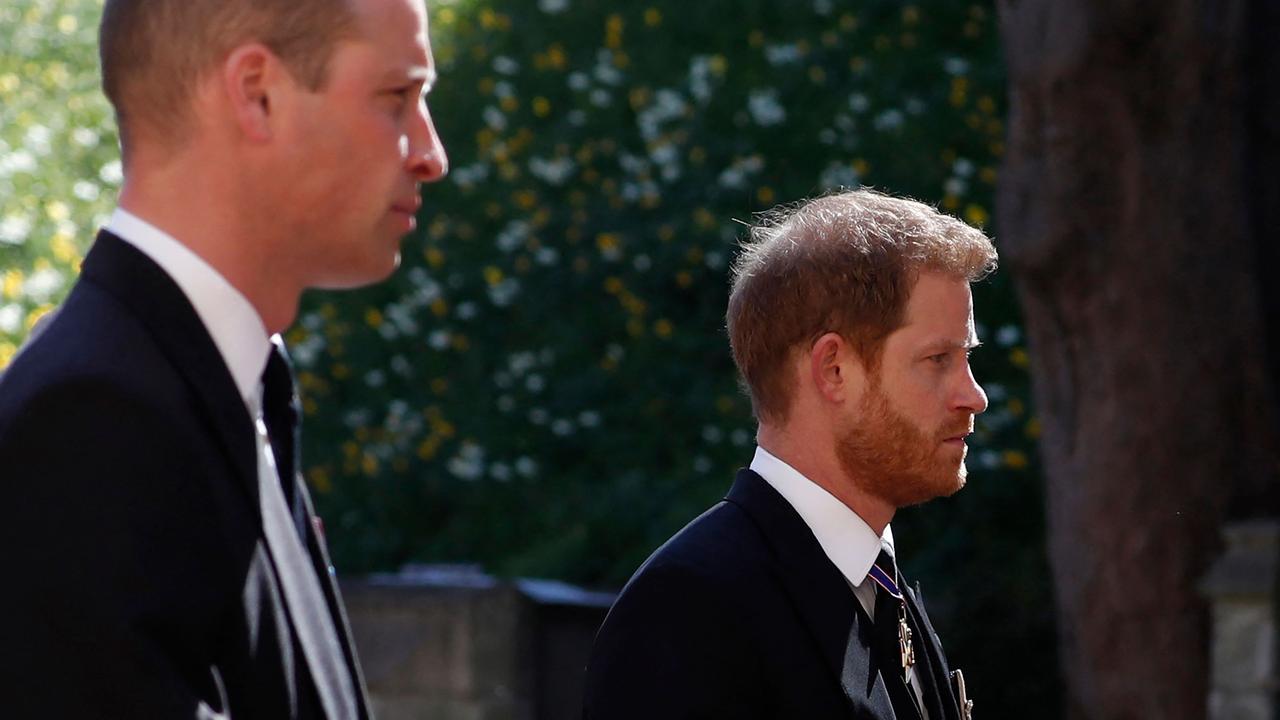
235 326
847 539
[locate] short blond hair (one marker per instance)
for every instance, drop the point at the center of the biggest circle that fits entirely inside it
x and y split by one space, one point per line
844 263
153 51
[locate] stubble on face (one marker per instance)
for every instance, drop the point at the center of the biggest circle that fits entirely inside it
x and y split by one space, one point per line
890 457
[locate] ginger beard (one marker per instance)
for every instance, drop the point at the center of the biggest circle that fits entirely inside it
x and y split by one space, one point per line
893 459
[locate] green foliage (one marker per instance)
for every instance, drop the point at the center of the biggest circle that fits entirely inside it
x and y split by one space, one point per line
545 387
59 167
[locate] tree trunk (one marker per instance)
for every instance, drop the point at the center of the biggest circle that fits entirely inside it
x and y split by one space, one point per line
1130 217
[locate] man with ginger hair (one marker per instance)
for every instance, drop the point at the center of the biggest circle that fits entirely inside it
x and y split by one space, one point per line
851 322
165 558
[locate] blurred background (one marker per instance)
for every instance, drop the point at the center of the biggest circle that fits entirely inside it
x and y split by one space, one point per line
544 392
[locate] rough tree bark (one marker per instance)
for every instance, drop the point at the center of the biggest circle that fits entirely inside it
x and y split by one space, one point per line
1133 214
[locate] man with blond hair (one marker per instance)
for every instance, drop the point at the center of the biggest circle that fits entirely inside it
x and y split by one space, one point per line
851 322
164 557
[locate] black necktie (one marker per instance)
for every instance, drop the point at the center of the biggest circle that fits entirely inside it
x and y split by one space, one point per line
889 638
299 581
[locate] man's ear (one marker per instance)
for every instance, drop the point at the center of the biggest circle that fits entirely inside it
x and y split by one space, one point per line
835 370
252 77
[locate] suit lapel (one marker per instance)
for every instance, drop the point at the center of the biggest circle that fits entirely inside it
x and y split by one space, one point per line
818 592
156 300
934 657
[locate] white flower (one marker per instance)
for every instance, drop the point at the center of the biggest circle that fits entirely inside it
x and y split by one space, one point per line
555 171
494 118
547 256
37 140
504 292
19 161
765 108
702 464
10 318
14 229
955 186
578 81
84 137
526 466
955 66
859 103
468 464
466 310
500 472
782 54
589 419
1008 335
838 175
888 120
512 236
42 284
553 7
962 167
111 173
439 339
562 427
712 434
505 65
535 383
375 378
740 437
85 190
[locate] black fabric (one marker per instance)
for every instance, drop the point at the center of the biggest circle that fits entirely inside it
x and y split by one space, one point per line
139 585
739 615
887 647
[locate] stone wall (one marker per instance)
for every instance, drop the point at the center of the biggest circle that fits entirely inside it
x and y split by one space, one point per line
1242 588
448 643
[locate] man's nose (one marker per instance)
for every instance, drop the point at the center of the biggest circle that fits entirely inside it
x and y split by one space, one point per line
427 158
970 395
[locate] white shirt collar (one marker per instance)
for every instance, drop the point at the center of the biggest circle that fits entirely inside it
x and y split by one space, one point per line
229 317
847 540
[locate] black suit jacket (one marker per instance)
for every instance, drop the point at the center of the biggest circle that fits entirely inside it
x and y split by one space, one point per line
742 615
139 585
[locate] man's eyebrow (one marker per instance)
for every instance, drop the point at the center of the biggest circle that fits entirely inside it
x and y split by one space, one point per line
949 344
426 74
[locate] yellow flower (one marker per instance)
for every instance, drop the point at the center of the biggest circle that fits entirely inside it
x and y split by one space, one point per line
7 351
718 64
861 167
57 210
12 285
320 480
439 386
509 103
1015 459
434 257
653 17
556 57
910 14
612 285
976 215
1033 429
541 106
607 241
1016 408
817 75
684 279
765 195
663 328
1019 358
439 307
369 465
848 23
